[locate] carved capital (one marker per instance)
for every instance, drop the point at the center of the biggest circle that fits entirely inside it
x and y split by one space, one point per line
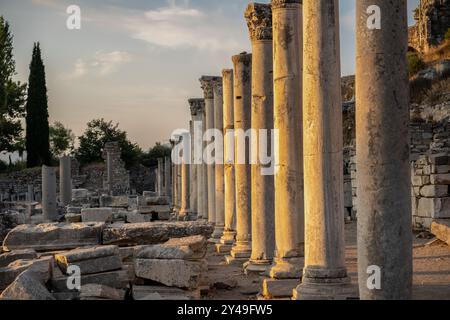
207 83
259 21
227 73
244 57
197 106
218 86
277 4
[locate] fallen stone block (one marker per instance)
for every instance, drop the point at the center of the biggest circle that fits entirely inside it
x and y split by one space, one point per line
154 232
115 279
8 257
441 229
97 214
73 218
26 287
74 210
97 291
54 236
188 248
155 201
137 217
159 293
172 273
41 267
91 260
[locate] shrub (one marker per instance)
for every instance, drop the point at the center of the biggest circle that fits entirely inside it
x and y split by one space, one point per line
415 63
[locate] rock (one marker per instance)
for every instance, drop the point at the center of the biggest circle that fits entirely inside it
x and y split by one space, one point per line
115 279
97 291
441 229
189 248
54 236
91 260
41 267
154 233
8 257
159 293
73 218
26 287
97 214
226 284
172 273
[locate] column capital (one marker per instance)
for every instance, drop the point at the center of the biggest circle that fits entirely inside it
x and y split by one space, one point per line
227 73
218 86
197 106
243 57
207 83
259 21
277 4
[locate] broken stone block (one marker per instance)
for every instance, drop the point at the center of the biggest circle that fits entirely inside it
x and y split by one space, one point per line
434 191
434 208
74 210
73 218
155 201
441 229
91 260
26 287
41 267
8 257
137 217
154 233
159 293
54 236
172 273
114 201
97 214
443 178
97 291
115 279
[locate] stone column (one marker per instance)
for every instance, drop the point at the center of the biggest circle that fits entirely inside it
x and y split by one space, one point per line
109 172
259 21
382 147
30 193
160 177
219 168
228 237
167 176
198 112
325 274
192 172
207 86
241 251
185 184
49 193
289 216
65 180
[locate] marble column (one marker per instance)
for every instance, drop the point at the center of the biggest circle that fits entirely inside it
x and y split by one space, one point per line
160 177
259 21
382 151
192 173
185 184
229 234
65 181
325 274
30 193
109 172
167 177
241 250
49 208
198 111
207 86
289 215
219 167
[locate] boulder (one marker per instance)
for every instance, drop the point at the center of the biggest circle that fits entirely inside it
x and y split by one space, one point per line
91 260
172 273
97 214
8 257
441 229
54 236
154 232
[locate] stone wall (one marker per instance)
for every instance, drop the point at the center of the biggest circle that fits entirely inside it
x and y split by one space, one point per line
432 22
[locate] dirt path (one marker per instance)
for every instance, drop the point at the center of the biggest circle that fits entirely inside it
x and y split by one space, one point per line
431 272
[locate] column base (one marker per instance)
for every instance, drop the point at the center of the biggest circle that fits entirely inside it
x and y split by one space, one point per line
226 242
233 261
287 268
218 232
325 284
279 288
183 215
258 267
242 250
223 248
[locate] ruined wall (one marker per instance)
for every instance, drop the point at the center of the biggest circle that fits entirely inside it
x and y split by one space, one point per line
432 22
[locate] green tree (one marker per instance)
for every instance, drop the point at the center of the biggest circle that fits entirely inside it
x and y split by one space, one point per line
12 94
62 140
150 158
37 135
98 133
415 62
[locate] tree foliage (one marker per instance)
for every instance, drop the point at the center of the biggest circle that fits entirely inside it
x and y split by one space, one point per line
62 140
150 158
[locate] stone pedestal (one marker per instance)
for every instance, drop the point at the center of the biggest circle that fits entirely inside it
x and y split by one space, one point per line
65 181
219 167
242 122
49 193
382 146
259 21
229 234
325 274
289 216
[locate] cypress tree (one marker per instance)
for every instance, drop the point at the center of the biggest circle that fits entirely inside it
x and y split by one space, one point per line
37 133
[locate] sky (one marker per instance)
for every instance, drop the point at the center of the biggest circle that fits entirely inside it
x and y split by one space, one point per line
137 62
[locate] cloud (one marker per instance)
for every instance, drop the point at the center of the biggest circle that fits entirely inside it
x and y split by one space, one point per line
102 64
179 26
